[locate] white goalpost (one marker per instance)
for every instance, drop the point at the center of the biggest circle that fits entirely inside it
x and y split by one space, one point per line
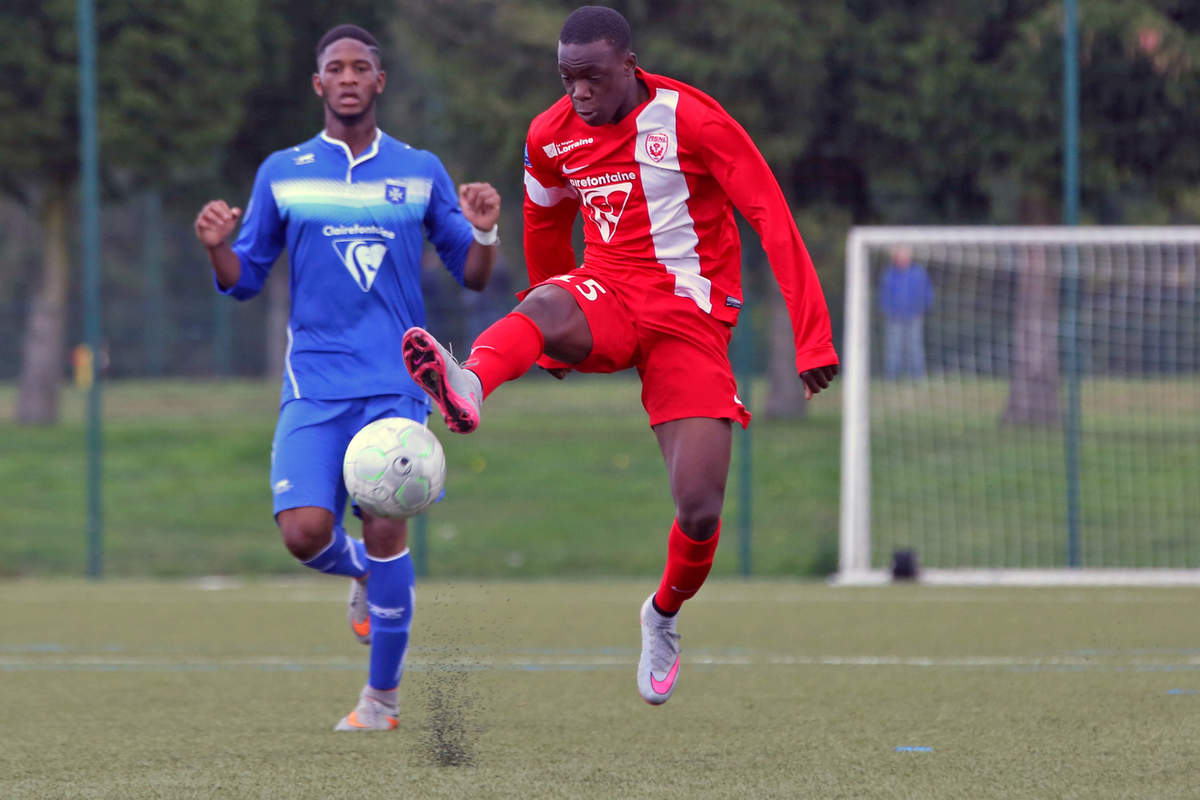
1038 422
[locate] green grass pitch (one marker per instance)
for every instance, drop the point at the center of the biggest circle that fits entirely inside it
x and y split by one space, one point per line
563 477
520 680
228 688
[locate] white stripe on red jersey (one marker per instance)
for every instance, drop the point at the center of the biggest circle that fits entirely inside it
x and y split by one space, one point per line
671 226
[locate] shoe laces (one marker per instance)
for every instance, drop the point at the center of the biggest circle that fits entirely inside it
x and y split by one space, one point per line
448 349
664 644
370 711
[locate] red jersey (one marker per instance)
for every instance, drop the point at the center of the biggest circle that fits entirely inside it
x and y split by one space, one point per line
657 191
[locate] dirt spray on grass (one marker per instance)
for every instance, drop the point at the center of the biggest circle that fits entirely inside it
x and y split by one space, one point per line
453 706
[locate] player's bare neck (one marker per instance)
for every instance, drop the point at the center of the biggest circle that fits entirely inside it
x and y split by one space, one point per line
639 95
358 134
643 92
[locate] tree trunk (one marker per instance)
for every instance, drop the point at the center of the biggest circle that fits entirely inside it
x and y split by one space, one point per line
277 318
1033 393
785 390
42 352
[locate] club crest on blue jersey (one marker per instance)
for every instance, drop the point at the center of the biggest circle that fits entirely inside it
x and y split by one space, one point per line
362 258
396 193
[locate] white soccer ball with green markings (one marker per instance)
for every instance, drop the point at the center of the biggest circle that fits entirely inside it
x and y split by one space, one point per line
394 467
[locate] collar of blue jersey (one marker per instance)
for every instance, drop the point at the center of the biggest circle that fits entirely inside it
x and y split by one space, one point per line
367 154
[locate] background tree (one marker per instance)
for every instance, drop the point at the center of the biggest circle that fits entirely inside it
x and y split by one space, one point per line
1138 92
170 83
869 111
952 114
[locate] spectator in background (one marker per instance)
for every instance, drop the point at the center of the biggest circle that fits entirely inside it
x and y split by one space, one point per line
905 295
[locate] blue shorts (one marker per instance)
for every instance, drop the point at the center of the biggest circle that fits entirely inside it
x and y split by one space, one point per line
310 443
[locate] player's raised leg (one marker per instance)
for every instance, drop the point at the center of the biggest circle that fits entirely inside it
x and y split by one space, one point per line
303 530
697 454
306 480
312 536
547 320
456 391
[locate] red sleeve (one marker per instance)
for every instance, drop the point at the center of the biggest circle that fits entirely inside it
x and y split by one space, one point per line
737 165
549 211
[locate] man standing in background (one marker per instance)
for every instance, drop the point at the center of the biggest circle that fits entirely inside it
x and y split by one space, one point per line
905 295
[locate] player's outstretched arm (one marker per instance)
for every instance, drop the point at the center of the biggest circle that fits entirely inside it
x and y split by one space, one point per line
214 225
480 203
738 166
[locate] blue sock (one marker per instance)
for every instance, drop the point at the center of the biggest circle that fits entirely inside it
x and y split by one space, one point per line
390 595
345 555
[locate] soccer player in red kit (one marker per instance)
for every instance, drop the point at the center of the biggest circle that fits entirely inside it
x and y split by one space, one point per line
656 169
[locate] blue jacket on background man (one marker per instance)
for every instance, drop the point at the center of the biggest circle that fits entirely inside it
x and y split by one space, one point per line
905 291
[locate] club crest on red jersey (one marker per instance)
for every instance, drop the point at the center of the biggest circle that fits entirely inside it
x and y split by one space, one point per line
656 145
605 204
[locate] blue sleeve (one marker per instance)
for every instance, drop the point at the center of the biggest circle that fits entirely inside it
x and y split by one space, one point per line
445 224
260 241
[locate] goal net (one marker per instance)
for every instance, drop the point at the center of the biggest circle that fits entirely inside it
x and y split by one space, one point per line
1021 405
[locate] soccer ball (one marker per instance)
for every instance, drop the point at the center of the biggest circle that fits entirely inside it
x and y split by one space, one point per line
394 467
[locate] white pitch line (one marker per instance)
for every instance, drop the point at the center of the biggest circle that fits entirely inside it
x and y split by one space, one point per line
550 661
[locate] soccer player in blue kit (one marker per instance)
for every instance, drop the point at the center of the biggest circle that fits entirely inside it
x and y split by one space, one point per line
353 207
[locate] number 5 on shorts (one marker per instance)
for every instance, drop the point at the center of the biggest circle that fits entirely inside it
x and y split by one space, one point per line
591 289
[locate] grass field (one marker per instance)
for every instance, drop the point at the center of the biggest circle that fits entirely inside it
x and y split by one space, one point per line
562 478
227 689
965 490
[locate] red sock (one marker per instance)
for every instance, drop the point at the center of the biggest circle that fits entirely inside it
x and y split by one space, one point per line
688 563
505 351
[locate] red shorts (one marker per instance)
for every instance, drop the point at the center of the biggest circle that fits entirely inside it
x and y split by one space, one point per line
680 352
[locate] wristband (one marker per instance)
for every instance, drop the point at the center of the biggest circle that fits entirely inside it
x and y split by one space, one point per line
489 237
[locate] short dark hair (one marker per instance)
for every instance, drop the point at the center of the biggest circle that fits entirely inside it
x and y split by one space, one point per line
348 32
588 24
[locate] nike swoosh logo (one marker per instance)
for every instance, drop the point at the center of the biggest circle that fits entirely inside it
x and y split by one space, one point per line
353 721
569 171
664 686
362 628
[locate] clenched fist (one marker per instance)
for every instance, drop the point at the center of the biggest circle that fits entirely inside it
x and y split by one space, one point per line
215 223
480 204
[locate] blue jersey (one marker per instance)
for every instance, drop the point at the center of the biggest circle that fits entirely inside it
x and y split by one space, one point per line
355 230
